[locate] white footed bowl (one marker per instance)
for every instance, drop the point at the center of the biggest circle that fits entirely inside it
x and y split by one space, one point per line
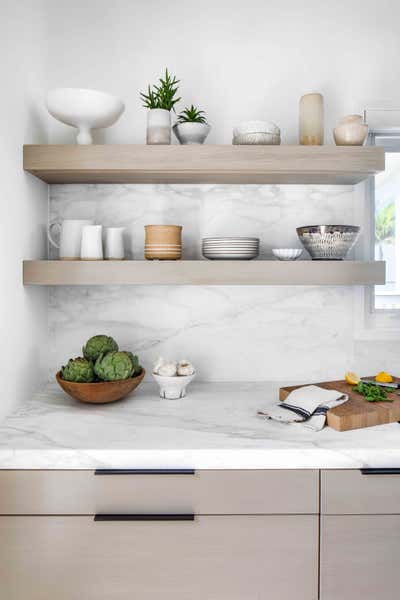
287 253
84 109
173 388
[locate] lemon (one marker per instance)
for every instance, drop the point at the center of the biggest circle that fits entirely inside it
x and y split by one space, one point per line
352 378
384 377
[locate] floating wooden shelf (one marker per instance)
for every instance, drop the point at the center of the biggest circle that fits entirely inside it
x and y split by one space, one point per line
202 272
203 164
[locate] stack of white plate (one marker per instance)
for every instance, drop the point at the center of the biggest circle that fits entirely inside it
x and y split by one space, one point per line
231 248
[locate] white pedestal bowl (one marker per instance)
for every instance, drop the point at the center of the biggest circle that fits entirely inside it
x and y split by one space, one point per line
84 109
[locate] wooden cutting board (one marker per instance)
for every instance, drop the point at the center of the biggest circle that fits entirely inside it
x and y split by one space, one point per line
357 412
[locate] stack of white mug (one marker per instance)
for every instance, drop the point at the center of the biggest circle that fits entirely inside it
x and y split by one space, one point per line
81 239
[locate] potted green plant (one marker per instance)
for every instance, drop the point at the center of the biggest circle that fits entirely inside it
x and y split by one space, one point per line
160 100
192 126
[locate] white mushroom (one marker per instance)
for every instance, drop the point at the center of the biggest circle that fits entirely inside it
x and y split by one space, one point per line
158 364
185 368
168 369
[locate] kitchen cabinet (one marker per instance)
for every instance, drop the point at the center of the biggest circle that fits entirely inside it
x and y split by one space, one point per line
360 557
212 557
204 534
360 534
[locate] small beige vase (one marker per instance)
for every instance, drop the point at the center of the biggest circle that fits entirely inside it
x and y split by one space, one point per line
350 131
163 242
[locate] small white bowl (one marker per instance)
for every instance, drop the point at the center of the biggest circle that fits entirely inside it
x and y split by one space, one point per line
287 253
173 388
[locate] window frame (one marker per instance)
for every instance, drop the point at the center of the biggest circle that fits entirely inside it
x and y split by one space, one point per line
369 320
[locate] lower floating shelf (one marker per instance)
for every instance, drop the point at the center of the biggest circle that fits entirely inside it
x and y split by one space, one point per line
202 272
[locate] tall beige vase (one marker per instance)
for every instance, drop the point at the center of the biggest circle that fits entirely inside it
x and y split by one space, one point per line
311 120
163 242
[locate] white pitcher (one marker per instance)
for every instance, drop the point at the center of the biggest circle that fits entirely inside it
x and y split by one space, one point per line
114 243
70 237
92 242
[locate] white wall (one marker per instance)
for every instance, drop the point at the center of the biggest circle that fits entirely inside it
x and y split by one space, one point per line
23 312
237 59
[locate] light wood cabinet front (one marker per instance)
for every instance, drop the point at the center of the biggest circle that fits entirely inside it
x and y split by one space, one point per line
352 492
360 557
57 492
211 558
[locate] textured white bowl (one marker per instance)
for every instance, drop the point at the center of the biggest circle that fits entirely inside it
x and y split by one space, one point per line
84 109
256 127
287 253
173 388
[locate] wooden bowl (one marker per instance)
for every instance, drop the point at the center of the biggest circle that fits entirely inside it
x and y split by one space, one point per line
100 392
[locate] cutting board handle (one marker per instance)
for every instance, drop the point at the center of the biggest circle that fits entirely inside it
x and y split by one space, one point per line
380 471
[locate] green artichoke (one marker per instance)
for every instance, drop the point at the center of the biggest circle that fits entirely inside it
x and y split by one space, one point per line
79 370
99 344
114 366
135 363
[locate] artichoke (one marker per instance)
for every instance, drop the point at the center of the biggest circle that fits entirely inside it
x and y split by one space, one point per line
79 370
114 366
136 368
99 344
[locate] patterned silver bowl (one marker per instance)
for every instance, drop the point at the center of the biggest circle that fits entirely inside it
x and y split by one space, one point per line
328 242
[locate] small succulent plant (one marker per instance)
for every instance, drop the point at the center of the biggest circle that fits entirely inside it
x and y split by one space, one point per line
162 95
98 344
191 114
79 370
114 366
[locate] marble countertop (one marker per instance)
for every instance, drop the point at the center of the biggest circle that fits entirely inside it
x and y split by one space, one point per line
215 427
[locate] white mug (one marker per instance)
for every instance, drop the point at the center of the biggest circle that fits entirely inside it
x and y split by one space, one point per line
114 243
92 243
70 236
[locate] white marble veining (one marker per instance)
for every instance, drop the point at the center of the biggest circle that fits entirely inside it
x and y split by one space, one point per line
230 333
233 333
214 427
269 212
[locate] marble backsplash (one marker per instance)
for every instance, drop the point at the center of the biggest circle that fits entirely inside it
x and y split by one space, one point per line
230 333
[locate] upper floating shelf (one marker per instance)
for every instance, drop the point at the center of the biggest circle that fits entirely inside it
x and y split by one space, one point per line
203 164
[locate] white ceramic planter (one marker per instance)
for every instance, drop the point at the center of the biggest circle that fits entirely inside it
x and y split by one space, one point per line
84 109
158 126
191 133
173 388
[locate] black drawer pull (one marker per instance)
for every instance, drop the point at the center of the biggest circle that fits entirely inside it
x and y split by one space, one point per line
157 517
380 471
144 472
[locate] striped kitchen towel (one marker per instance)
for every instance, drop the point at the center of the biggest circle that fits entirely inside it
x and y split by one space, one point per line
307 405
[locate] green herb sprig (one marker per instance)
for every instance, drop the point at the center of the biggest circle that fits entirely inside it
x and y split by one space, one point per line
162 95
372 393
191 114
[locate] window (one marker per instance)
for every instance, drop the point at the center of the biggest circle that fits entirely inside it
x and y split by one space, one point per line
387 221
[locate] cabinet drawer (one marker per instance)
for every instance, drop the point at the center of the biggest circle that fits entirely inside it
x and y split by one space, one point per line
204 492
212 558
360 557
352 492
